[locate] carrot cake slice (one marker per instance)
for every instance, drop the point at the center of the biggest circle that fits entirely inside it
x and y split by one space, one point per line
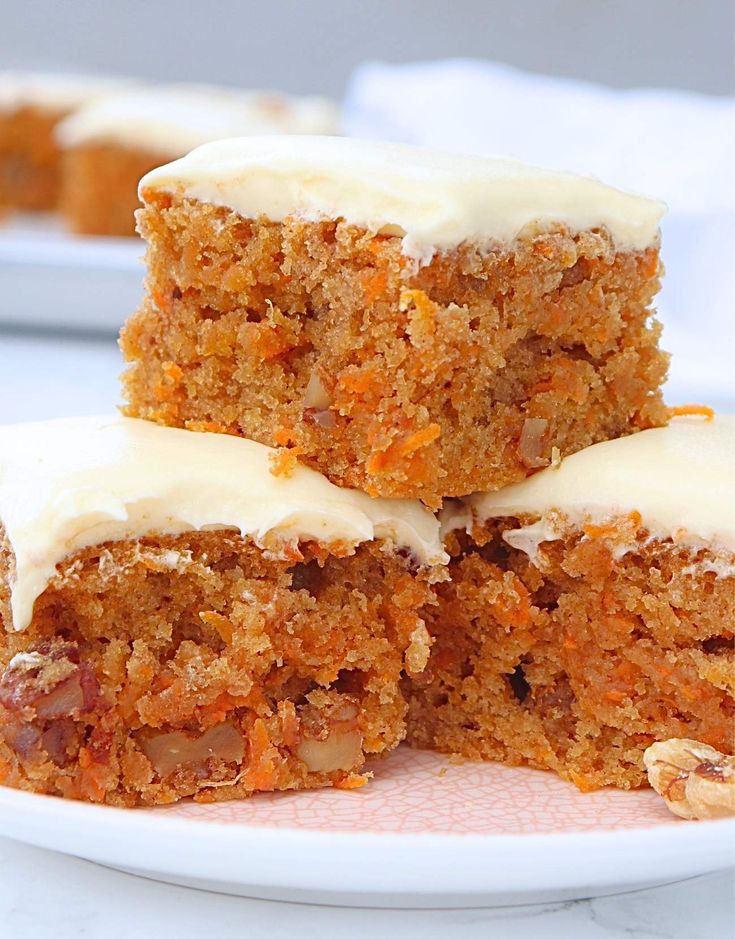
178 621
31 107
109 145
410 323
590 611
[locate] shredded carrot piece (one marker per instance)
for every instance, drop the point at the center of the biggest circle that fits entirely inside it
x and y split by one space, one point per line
218 622
374 286
625 527
617 697
354 781
272 343
283 461
284 436
582 783
403 448
90 783
422 314
209 427
172 376
360 382
289 724
685 410
261 768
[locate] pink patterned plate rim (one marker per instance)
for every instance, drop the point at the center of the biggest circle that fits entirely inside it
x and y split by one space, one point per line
425 831
418 792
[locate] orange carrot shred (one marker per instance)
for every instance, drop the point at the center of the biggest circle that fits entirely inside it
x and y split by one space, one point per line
284 461
353 781
403 448
685 410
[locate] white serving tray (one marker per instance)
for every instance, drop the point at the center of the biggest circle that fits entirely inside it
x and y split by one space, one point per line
50 279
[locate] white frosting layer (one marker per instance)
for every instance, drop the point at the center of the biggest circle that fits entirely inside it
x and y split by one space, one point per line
55 92
174 119
680 479
437 200
68 484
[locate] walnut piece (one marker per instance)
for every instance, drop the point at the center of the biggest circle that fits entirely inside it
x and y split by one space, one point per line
695 780
340 750
532 442
51 680
316 396
167 751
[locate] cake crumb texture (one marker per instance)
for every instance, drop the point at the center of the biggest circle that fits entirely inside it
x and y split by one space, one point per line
581 661
459 376
201 666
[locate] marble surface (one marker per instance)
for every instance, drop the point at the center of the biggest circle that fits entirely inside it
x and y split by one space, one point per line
47 895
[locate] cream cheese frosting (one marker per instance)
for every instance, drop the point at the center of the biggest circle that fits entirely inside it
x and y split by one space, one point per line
680 479
56 92
173 119
71 483
435 200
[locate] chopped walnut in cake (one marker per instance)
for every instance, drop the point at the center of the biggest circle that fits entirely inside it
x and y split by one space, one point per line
695 780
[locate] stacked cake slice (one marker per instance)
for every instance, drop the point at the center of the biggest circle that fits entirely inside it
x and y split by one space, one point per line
409 323
590 610
179 621
254 597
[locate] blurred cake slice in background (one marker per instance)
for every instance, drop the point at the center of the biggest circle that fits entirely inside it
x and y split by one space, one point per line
590 611
178 621
409 322
110 145
31 106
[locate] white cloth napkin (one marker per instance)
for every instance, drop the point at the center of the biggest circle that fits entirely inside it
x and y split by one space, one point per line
675 145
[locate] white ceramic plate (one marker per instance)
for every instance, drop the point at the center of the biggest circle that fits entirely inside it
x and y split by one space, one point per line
51 279
426 833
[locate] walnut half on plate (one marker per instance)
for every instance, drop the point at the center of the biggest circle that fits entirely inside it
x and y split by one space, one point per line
695 780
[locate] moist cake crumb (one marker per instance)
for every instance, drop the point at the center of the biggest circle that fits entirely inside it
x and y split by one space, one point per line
460 369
